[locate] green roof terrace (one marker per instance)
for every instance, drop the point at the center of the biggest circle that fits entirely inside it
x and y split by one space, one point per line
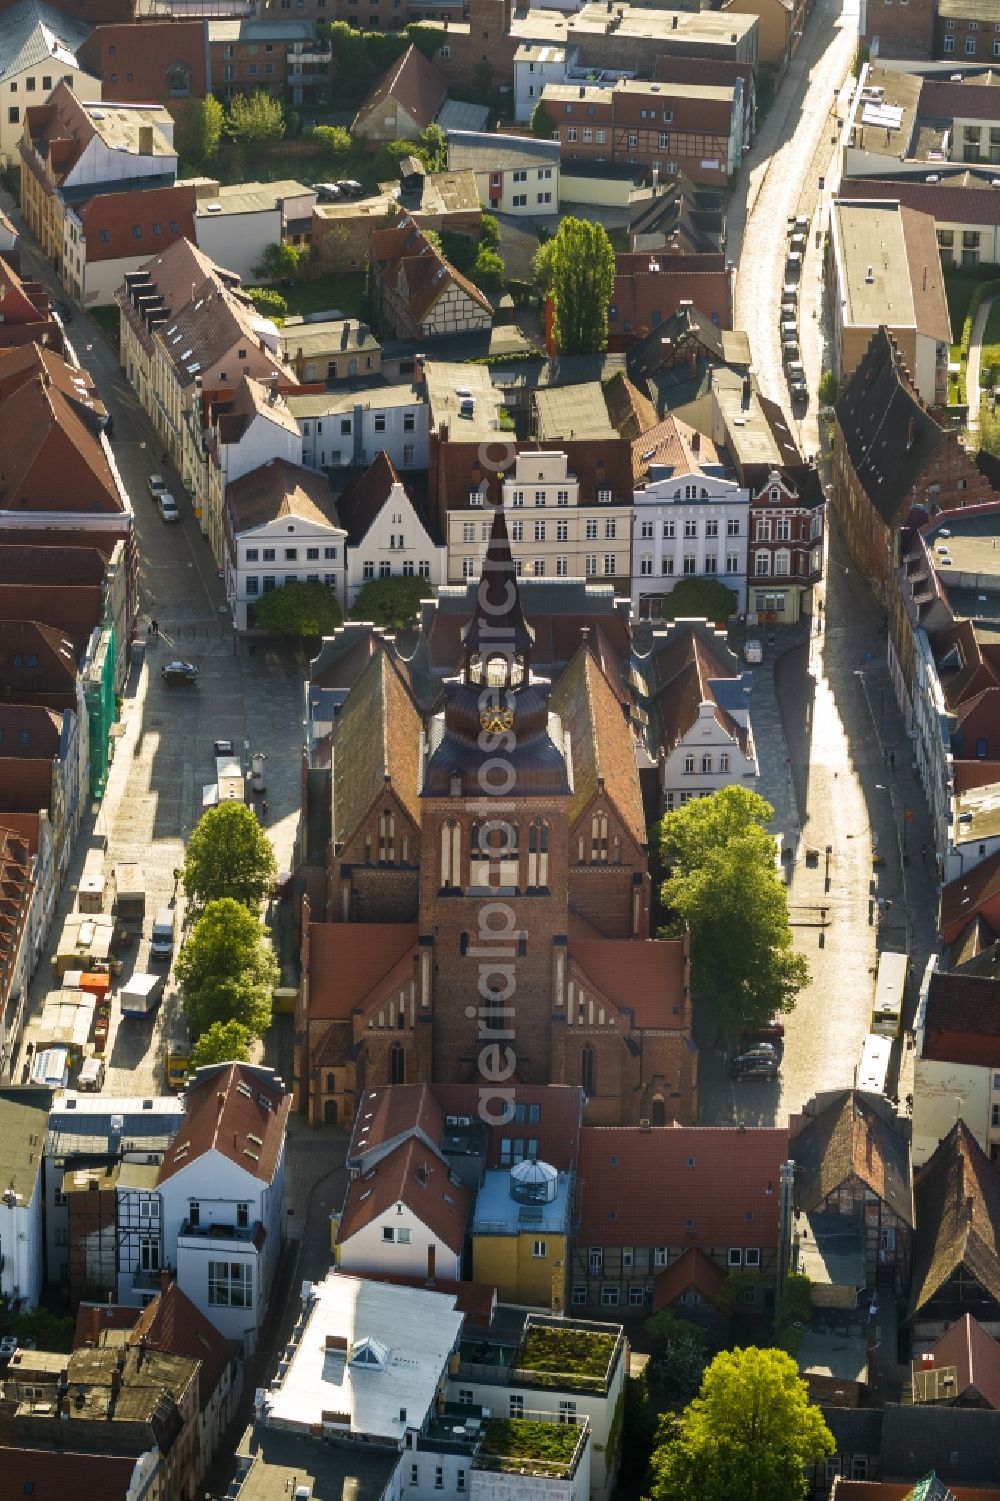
529 1446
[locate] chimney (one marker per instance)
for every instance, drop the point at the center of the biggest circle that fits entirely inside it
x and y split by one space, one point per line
274 388
746 390
673 23
911 433
696 442
145 140
116 1381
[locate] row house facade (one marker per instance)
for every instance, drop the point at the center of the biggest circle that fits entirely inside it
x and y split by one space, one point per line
279 56
786 547
696 129
691 521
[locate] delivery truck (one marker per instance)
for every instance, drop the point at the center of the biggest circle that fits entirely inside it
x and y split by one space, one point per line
141 995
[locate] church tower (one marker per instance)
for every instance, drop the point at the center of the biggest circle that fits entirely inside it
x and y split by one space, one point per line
495 798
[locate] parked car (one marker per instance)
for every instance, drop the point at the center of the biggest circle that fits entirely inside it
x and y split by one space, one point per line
800 392
768 1031
327 192
350 188
64 311
790 351
168 507
156 485
8 1346
795 371
758 1062
179 672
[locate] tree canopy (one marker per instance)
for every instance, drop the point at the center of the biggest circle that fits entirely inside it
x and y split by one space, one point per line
228 855
578 272
280 262
334 139
227 970
542 124
297 609
255 117
746 1437
723 881
391 602
223 1042
827 388
198 131
702 599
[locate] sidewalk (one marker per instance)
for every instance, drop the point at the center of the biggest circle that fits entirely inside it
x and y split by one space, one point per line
973 389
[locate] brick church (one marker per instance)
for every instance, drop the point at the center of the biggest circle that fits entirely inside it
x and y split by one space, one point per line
487 890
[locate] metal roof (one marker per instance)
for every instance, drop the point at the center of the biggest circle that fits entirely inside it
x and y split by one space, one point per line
33 33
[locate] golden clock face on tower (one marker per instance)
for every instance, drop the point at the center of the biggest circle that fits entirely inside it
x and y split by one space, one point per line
496 721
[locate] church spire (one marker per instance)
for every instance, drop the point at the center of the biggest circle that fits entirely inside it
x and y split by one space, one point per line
498 635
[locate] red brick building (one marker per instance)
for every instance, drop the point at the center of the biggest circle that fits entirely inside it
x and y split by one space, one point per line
785 555
897 30
150 62
280 56
650 286
525 920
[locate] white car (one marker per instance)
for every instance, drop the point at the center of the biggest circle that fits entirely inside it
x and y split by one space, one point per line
168 507
8 1346
157 485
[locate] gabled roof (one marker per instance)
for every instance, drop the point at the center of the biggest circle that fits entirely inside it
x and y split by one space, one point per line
714 1186
850 1137
54 1474
650 286
364 499
963 898
962 1017
278 489
973 1353
376 743
386 1115
406 259
161 215
52 462
236 1110
53 653
691 1269
32 33
133 58
421 1180
960 1443
631 412
675 443
348 960
684 662
603 751
173 1324
957 1197
414 84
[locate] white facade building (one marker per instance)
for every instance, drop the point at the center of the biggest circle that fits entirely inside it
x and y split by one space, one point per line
715 751
945 1083
23 1119
387 537
688 523
515 175
236 224
38 46
535 65
405 1214
344 428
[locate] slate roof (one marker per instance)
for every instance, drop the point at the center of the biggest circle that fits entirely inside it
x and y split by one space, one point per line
418 1178
376 741
603 751
348 960
960 1444
32 33
226 1106
957 1199
851 1137
277 489
874 414
714 1186
975 1356
416 86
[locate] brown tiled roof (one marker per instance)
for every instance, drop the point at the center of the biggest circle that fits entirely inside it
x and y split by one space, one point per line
19 367
25 310
74 610
850 1137
420 1179
276 489
680 671
395 1111
51 461
96 1321
968 100
132 59
16 888
29 730
656 281
691 1269
223 1110
376 743
347 961
557 1129
362 501
961 198
173 1325
603 751
253 399
962 1018
646 976
975 1356
414 84
52 653
162 216
29 564
963 898
63 128
672 442
403 250
55 1474
27 786
714 1185
631 413
971 774
957 1196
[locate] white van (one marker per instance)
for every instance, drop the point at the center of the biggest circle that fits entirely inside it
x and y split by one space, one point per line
162 946
753 651
91 1078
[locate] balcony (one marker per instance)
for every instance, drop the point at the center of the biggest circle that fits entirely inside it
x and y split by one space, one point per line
223 1234
456 1429
146 1282
573 1355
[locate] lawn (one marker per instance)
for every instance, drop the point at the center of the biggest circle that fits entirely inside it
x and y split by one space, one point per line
959 285
518 1443
991 343
344 291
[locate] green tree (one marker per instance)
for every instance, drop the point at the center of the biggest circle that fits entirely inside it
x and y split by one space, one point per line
987 435
746 1437
489 231
678 1357
269 302
228 855
433 148
700 599
335 140
582 270
827 388
223 1042
198 132
433 238
487 270
227 970
723 883
543 266
280 262
298 609
392 602
255 117
543 127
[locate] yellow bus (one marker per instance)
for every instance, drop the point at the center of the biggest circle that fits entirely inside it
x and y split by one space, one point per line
178 1053
890 994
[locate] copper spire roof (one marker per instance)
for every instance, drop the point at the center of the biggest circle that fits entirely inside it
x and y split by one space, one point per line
497 618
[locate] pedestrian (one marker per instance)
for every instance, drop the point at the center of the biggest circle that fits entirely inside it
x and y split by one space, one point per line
156 627
149 631
892 760
923 854
263 809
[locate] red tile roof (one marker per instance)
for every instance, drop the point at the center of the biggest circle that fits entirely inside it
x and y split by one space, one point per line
404 257
173 1325
963 898
557 1129
132 59
656 281
603 748
72 609
53 1475
95 1321
971 774
418 1178
680 1186
958 199
161 215
392 1112
691 1269
974 1354
236 1110
41 726
347 961
962 1018
647 976
416 86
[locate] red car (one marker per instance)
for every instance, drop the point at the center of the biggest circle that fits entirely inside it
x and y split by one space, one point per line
773 1028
